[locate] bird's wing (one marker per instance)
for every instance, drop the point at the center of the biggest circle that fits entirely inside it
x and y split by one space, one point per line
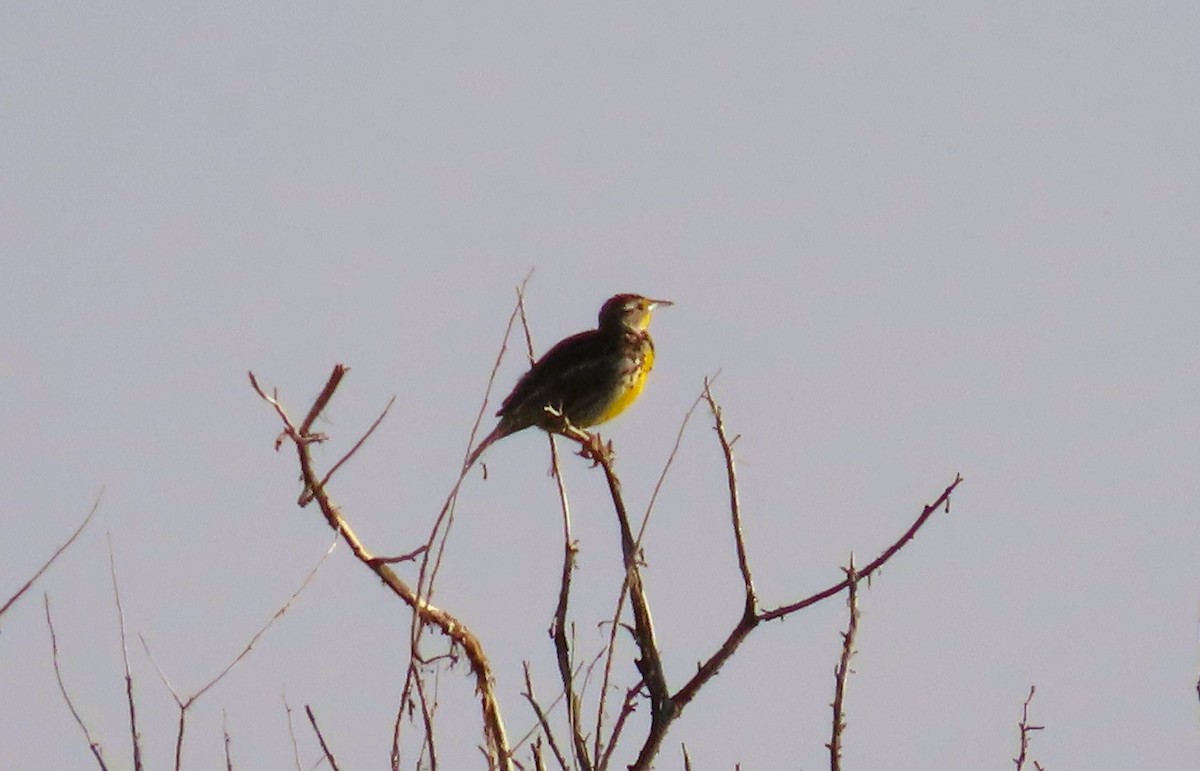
566 377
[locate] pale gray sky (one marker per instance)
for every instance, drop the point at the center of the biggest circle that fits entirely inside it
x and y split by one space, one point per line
916 240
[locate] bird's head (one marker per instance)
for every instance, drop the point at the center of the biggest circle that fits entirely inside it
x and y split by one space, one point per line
628 311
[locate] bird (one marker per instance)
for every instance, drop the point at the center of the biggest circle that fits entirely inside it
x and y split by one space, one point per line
585 379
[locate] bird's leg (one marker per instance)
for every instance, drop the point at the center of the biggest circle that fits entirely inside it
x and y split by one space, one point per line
591 446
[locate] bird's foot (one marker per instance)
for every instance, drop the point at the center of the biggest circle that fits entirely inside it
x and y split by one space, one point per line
595 449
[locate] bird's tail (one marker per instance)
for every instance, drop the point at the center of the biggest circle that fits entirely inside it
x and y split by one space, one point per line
499 432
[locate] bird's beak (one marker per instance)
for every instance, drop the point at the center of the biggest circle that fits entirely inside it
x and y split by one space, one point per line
656 303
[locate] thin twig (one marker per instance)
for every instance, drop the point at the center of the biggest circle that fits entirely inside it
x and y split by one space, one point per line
558 627
735 510
559 623
133 729
661 720
93 745
543 721
518 308
185 704
876 564
12 600
427 713
317 729
435 544
225 733
1026 730
292 732
709 668
627 709
842 672
284 608
306 497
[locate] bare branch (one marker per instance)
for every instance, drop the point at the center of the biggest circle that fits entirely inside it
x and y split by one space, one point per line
518 310
435 546
425 613
306 498
842 672
284 608
878 562
600 750
427 712
292 732
673 705
735 511
322 400
558 629
161 674
627 708
1026 730
186 704
316 729
662 707
543 721
406 557
12 600
136 741
225 734
93 745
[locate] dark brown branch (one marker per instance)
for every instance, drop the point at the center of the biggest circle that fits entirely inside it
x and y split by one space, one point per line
661 720
842 672
12 600
1026 730
603 748
627 708
93 745
713 664
543 721
735 510
317 729
228 741
322 400
136 741
662 708
875 565
558 629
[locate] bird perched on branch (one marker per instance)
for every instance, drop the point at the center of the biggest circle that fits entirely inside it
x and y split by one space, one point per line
587 378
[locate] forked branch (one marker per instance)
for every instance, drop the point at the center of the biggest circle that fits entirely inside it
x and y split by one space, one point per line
427 614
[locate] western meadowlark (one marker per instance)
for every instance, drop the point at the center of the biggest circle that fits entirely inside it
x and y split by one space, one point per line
587 378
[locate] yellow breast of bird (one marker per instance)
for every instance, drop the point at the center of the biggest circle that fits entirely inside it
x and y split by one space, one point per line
633 379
